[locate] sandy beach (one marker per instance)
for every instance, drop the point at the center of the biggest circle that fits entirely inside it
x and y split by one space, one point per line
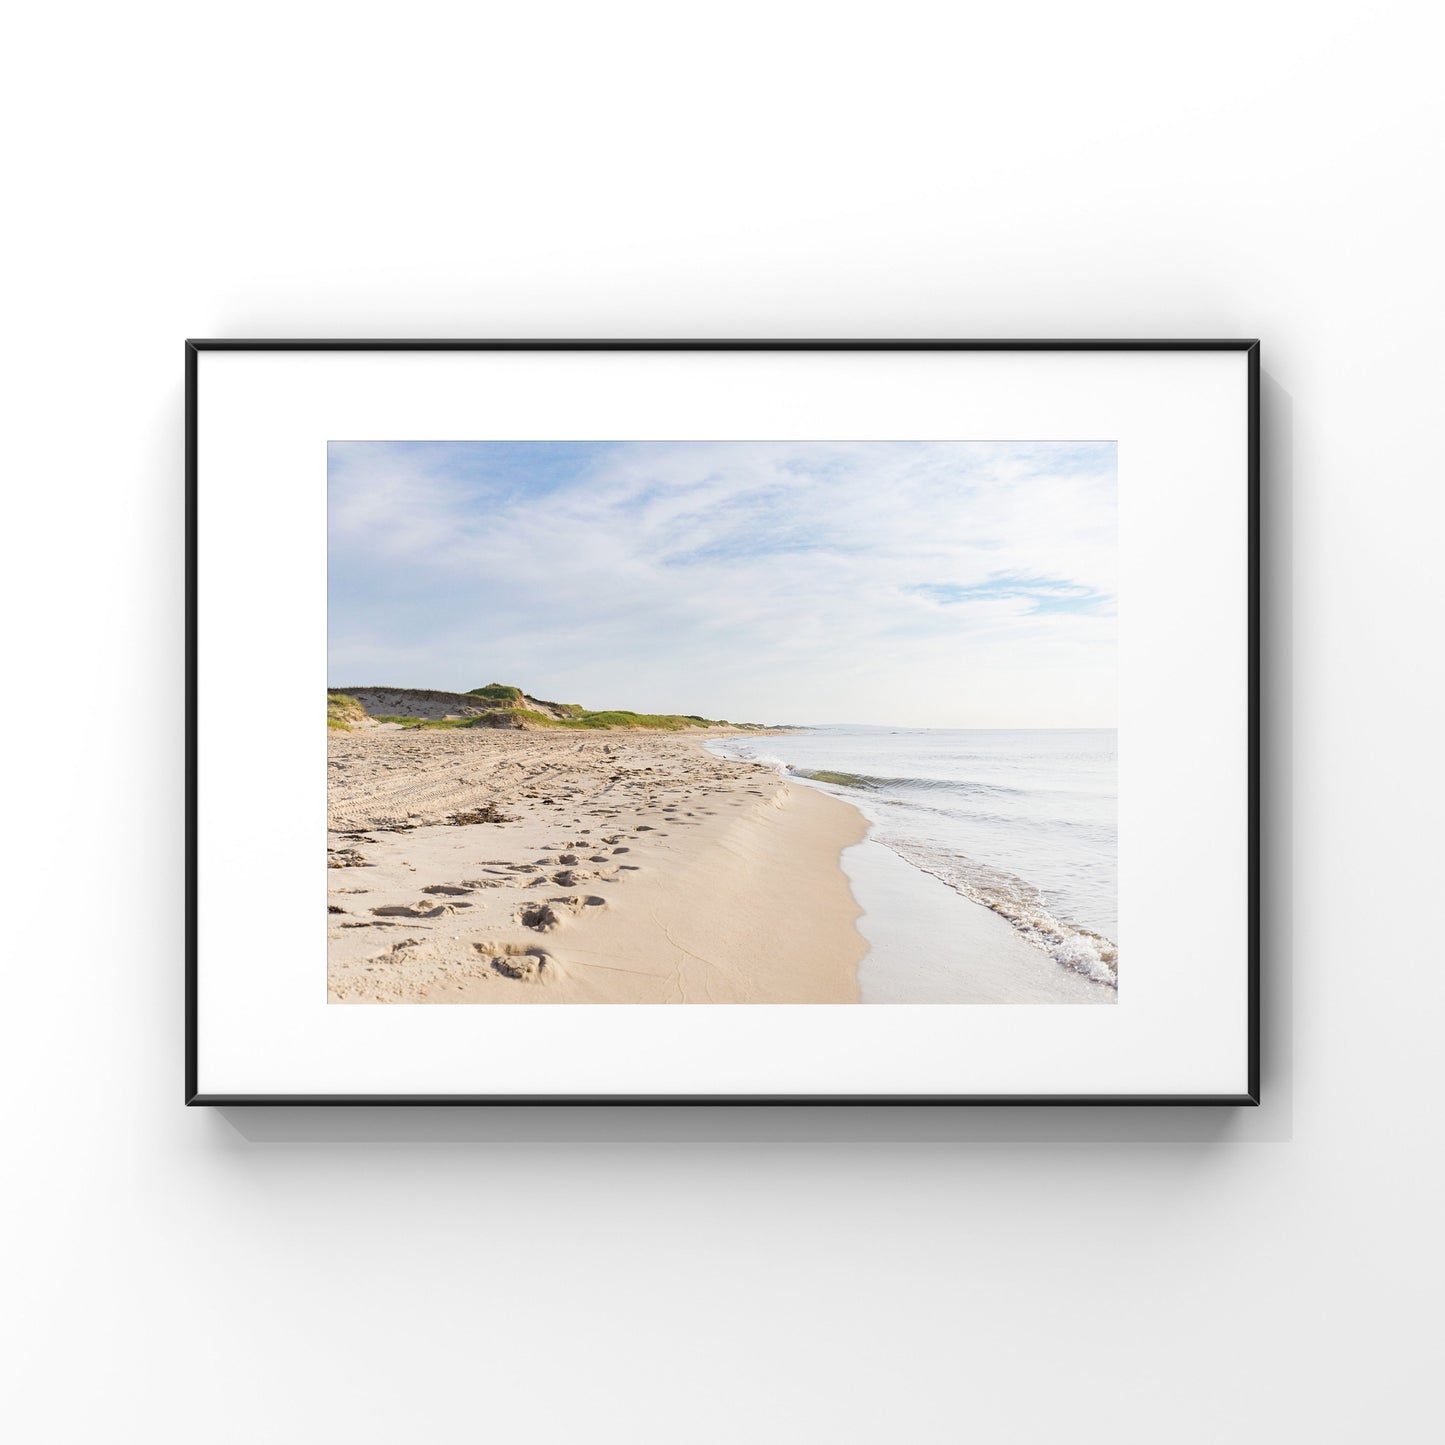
481 866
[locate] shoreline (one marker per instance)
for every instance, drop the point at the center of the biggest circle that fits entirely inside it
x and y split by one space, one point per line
628 867
929 942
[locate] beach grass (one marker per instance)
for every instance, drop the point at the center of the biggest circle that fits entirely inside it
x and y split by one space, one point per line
597 721
343 712
662 722
511 716
513 699
425 722
500 693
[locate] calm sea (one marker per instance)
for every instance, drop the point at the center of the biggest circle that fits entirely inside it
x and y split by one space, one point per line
1022 821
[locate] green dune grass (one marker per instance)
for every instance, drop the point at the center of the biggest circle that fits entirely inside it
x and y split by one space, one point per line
425 722
597 721
343 712
507 706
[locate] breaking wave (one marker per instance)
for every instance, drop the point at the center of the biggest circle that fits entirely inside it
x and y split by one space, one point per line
1019 903
873 784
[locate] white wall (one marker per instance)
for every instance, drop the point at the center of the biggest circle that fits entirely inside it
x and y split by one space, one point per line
752 169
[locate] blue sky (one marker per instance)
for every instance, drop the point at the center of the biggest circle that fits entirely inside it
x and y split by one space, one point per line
945 584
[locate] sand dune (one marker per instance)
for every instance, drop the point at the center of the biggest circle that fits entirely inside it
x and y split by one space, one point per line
500 867
430 703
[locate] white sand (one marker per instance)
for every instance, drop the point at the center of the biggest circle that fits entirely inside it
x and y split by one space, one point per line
633 868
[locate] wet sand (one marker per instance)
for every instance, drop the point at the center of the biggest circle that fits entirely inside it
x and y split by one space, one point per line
927 944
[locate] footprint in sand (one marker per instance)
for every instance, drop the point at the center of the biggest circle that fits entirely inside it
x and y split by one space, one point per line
540 917
521 961
423 909
548 916
570 877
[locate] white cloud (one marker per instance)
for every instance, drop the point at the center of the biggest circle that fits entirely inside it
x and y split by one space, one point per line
965 584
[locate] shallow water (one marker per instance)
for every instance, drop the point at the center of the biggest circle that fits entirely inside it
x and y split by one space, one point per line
1023 821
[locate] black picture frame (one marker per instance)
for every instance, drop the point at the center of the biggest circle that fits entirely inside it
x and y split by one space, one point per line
1251 1097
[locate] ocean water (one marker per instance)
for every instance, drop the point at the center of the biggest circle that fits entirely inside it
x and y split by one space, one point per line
1022 821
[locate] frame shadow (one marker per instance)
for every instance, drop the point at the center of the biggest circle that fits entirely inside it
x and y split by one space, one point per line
1204 1125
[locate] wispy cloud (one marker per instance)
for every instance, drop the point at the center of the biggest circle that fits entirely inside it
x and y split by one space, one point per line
1033 594
944 583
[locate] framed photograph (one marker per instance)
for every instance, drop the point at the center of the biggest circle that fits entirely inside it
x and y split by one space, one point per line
723 722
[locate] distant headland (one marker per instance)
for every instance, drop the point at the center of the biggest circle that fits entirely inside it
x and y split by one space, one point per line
497 705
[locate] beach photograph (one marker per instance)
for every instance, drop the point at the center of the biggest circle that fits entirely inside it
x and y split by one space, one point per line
711 722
